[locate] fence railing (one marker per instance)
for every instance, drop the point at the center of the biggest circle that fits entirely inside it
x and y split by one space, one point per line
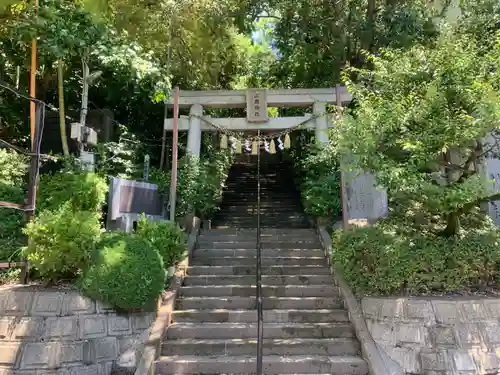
260 329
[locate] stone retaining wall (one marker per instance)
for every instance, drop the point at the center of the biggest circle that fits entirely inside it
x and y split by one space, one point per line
436 335
58 331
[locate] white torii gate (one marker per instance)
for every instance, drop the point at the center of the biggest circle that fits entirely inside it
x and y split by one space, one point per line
364 200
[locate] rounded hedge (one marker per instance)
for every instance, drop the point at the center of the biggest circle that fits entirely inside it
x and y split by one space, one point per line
127 273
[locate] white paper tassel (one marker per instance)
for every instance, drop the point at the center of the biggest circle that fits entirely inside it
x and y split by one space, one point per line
233 142
266 146
281 146
248 148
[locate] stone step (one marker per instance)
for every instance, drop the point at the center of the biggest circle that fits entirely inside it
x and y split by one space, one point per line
334 365
265 253
252 218
217 224
241 208
266 239
234 205
269 316
249 330
249 270
317 347
251 280
267 291
268 303
269 231
251 224
265 261
246 199
264 206
235 244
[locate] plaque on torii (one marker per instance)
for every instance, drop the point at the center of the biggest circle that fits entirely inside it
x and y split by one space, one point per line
257 106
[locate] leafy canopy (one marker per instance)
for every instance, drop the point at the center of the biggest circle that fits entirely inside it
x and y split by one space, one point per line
419 121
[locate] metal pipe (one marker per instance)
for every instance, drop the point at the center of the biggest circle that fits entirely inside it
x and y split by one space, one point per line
260 329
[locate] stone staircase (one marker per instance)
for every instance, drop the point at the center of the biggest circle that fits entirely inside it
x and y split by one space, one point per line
214 330
280 200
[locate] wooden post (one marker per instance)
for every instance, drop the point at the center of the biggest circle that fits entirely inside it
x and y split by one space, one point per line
33 87
175 141
343 192
33 180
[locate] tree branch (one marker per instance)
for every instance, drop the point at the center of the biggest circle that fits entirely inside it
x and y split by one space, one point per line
469 206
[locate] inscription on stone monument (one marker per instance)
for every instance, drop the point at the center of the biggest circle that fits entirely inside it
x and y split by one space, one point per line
257 106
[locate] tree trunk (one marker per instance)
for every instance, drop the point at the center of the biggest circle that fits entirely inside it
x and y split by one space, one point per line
452 225
62 115
371 11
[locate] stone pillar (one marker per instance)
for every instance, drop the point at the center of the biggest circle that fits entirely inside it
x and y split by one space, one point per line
194 133
321 131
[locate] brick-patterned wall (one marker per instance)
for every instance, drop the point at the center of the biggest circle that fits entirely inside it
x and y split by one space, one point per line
437 336
45 332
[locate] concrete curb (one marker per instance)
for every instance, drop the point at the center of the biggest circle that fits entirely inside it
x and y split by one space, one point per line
147 350
369 350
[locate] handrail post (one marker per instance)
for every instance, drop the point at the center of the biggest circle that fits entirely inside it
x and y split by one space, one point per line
260 328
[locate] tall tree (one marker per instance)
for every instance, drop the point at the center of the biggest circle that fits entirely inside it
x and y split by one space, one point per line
420 122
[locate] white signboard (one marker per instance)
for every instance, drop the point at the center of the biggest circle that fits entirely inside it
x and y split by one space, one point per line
257 106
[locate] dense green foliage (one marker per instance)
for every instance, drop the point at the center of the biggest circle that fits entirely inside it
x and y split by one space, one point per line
166 237
319 177
62 241
398 256
12 181
82 191
419 124
420 119
135 54
200 183
425 95
317 39
127 272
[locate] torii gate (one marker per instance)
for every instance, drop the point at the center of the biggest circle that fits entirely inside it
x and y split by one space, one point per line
364 200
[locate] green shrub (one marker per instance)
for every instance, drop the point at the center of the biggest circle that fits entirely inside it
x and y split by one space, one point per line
13 173
319 178
62 241
396 257
11 223
13 168
127 272
200 183
85 191
166 237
